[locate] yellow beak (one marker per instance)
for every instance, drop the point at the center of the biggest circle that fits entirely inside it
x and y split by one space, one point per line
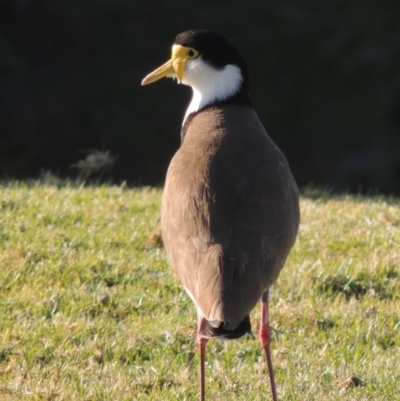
176 65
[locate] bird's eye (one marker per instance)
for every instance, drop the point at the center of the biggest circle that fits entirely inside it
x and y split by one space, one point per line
191 53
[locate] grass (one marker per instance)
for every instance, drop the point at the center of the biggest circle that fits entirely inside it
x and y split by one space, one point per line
90 309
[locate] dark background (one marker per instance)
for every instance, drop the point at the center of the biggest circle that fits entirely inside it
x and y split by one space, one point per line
325 83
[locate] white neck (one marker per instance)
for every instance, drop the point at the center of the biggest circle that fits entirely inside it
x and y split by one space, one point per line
209 84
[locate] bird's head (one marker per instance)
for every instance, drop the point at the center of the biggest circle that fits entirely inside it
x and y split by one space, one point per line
210 64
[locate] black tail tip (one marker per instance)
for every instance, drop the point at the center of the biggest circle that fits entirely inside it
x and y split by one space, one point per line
241 330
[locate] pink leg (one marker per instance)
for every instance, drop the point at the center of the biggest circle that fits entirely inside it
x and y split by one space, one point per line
265 338
202 349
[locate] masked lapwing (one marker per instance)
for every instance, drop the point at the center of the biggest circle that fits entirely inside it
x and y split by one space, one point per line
230 208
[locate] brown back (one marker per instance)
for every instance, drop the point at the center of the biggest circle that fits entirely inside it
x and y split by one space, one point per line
230 212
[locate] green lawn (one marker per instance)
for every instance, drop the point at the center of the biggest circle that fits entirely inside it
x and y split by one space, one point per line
90 309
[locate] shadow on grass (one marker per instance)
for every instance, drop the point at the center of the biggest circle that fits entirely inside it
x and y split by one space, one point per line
381 285
325 194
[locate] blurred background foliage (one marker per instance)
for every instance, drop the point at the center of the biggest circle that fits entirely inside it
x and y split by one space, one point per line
325 83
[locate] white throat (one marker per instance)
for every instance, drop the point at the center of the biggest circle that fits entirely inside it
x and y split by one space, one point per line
209 84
